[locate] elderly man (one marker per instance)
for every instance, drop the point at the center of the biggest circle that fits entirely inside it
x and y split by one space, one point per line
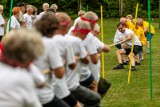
149 34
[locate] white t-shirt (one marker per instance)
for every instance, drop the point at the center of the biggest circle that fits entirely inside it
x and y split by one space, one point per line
73 76
14 24
76 20
2 21
118 36
28 20
37 75
41 14
72 27
89 43
67 54
65 48
95 68
51 59
128 31
17 88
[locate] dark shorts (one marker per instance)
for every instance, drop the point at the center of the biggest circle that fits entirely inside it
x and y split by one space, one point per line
1 37
103 86
136 50
70 100
88 81
149 36
119 46
56 102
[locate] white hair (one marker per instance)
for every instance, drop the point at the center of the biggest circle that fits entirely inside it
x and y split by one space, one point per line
91 15
45 4
96 27
83 25
54 6
28 42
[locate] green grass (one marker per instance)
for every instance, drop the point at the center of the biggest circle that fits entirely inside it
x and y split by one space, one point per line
137 92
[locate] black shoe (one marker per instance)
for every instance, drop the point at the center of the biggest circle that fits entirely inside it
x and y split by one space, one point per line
133 68
125 63
137 63
119 67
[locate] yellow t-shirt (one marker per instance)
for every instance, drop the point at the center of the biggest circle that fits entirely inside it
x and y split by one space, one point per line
129 25
140 34
146 25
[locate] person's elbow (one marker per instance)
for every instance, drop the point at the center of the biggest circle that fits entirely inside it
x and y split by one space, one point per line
72 66
106 48
94 58
85 60
59 72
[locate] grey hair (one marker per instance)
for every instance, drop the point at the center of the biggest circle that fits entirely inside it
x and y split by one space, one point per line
83 25
90 15
54 5
23 45
45 4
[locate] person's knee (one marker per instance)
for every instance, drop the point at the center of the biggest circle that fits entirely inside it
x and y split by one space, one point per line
118 51
96 99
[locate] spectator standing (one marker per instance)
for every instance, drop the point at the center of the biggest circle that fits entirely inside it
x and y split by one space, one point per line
2 22
14 20
21 12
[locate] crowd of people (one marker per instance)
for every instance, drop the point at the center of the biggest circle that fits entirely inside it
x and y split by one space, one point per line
58 65
132 32
46 63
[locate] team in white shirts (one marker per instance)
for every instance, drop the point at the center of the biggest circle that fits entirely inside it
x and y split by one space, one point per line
68 72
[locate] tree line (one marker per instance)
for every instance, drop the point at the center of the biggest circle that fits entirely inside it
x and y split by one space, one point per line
111 8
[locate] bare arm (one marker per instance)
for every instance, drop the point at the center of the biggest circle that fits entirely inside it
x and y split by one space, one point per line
106 48
94 58
59 72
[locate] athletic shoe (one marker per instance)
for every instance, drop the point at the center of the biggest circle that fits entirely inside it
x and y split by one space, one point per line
125 62
119 67
137 63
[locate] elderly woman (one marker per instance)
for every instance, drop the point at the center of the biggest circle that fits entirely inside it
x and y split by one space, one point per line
2 22
14 24
45 7
54 7
18 49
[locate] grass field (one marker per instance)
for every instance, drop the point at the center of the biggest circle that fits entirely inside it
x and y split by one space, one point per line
137 92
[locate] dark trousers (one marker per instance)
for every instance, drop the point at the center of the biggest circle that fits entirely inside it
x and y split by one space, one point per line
56 103
86 96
